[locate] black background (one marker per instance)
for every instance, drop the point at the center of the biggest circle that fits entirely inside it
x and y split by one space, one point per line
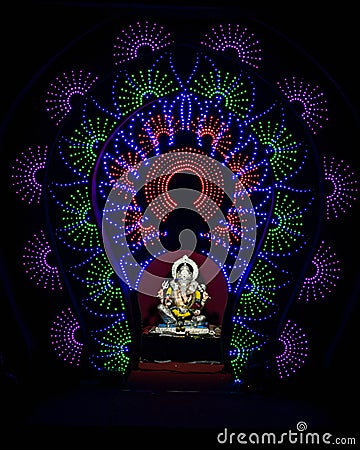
34 47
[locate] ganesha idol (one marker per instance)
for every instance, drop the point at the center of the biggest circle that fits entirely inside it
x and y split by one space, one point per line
182 297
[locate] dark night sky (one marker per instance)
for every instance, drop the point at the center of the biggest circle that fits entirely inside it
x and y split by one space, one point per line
32 34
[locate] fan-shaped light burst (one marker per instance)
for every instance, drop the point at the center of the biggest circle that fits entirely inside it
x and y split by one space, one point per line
218 132
64 338
137 89
285 232
60 96
295 350
134 216
248 172
113 342
234 90
79 227
122 162
82 147
240 39
137 36
284 152
344 187
101 284
154 128
235 224
258 296
324 272
309 100
25 174
38 265
229 231
117 166
135 229
243 343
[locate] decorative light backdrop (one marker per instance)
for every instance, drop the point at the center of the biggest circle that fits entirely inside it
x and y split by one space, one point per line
181 109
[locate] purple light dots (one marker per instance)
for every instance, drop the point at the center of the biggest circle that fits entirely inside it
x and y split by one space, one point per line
64 90
63 338
343 187
26 174
231 36
36 261
325 268
295 350
308 99
137 36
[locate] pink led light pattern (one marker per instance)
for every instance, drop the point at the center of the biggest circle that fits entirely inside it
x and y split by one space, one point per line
344 187
60 94
25 174
184 162
235 37
229 230
326 272
122 165
36 256
139 35
311 100
154 128
296 348
217 130
133 220
136 230
246 170
63 338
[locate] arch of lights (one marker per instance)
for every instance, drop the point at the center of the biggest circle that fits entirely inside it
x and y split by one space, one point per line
220 117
